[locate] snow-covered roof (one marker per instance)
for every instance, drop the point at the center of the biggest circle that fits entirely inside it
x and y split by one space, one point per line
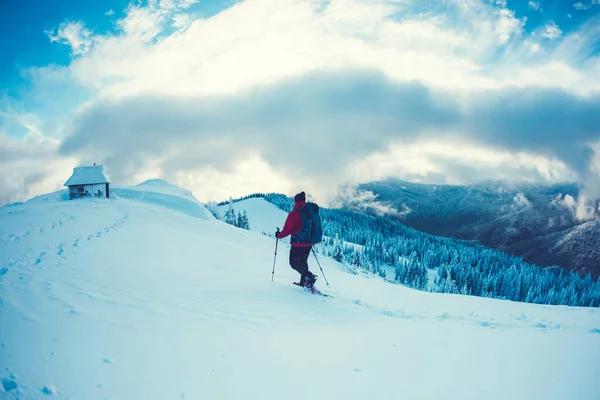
87 176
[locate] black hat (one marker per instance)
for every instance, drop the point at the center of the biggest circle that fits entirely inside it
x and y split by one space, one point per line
300 197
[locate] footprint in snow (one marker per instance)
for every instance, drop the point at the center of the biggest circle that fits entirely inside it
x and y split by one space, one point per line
547 325
49 390
487 324
8 384
3 271
443 316
40 258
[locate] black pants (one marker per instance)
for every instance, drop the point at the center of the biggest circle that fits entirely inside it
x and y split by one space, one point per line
299 261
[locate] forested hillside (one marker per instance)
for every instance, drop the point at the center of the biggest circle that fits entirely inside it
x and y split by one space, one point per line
462 267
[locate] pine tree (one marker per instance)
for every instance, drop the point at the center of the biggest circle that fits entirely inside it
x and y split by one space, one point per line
338 252
230 217
242 220
245 221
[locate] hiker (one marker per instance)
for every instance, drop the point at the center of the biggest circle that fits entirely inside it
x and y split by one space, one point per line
300 249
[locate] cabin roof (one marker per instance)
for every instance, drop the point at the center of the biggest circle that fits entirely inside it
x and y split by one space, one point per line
87 176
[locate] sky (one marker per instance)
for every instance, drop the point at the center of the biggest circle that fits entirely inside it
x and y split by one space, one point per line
228 98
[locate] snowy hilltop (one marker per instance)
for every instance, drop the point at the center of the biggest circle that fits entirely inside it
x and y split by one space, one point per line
146 295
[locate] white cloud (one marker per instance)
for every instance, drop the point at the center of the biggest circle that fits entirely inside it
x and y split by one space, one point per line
110 12
367 201
250 174
453 161
521 201
551 31
567 201
583 207
141 23
30 165
263 42
535 47
584 6
74 34
535 5
508 25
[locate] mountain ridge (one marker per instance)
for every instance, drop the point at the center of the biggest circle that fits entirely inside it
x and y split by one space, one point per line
502 216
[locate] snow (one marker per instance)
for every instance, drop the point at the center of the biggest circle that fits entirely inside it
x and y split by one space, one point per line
161 193
87 175
131 298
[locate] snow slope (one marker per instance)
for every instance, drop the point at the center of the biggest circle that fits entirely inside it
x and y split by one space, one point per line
128 299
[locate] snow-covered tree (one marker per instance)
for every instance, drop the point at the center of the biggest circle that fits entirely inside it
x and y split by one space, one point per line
242 220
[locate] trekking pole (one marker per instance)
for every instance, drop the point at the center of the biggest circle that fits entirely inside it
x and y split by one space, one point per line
315 254
275 258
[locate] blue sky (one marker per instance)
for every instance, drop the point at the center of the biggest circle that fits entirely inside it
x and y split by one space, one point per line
201 92
24 25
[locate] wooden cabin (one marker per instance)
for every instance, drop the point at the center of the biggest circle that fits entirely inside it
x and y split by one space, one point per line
88 181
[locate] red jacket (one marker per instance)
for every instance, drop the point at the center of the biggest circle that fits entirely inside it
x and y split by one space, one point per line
293 224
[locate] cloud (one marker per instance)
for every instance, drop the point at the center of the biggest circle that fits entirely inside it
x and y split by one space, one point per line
30 167
583 208
584 6
263 42
454 160
551 31
535 5
146 23
315 91
543 121
294 125
326 124
365 200
73 34
521 201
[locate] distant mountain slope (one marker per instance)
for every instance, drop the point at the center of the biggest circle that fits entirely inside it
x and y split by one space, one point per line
533 221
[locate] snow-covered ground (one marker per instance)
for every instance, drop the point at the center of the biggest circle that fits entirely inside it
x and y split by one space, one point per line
146 296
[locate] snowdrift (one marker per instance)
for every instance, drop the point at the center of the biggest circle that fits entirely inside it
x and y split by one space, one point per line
146 296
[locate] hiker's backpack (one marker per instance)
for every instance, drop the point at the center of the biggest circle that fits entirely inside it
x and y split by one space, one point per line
311 232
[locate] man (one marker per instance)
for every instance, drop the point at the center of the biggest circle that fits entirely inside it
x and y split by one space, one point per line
299 251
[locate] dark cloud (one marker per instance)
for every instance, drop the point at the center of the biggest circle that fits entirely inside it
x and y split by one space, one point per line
544 121
322 122
314 124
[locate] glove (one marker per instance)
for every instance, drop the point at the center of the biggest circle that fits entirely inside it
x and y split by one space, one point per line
277 233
